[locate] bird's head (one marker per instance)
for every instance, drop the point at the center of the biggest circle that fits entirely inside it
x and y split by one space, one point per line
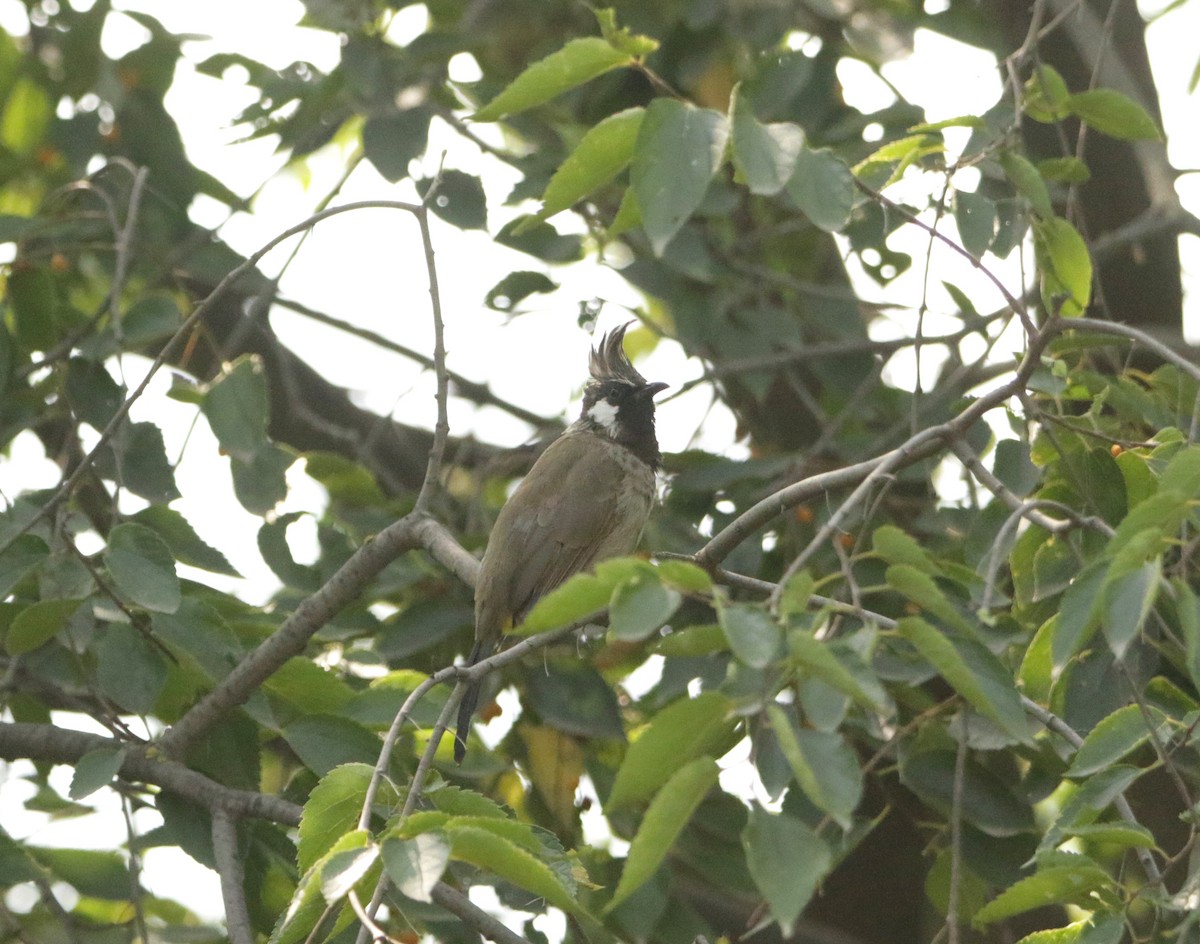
618 401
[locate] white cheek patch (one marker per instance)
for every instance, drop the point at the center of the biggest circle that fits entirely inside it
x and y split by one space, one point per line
604 415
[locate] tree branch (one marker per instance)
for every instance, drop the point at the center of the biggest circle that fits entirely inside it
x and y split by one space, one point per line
314 612
233 878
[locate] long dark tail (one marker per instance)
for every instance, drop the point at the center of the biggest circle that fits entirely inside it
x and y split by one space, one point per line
466 709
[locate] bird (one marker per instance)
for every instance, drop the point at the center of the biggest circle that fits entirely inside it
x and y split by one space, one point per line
586 499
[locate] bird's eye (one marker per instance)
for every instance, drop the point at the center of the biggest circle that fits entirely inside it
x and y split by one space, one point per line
612 394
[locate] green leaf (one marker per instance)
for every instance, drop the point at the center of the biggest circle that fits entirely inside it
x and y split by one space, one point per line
1114 737
1067 170
898 547
237 408
153 317
764 154
1114 114
27 111
973 672
1028 181
22 556
185 544
786 860
665 818
460 802
38 623
93 873
393 140
416 865
1078 613
260 483
1046 95
755 638
988 802
332 810
308 906
823 188
574 698
693 641
94 770
582 595
277 553
324 742
579 61
459 199
921 589
1128 599
640 606
1128 835
489 850
821 662
142 466
975 217
129 668
669 189
515 287
1064 265
1058 885
824 766
684 576
344 870
142 567
604 152
684 730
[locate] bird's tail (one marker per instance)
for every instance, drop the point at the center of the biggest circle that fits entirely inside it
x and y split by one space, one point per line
466 708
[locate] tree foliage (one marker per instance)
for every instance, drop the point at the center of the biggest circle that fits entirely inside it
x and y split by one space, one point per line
924 665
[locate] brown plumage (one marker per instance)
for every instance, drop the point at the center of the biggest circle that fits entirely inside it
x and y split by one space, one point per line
586 499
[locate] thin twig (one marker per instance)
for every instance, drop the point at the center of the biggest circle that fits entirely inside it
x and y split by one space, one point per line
229 868
441 429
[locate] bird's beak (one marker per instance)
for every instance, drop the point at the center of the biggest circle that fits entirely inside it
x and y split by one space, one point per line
648 391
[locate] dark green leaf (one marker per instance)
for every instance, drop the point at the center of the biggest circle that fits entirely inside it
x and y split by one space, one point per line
974 673
640 606
92 393
275 550
498 854
142 465
324 742
95 874
392 141
185 544
142 567
332 810
668 189
1079 613
755 638
459 199
824 766
237 409
764 154
1128 599
987 802
575 699
260 482
515 287
787 860
823 187
129 669
975 216
153 317
95 769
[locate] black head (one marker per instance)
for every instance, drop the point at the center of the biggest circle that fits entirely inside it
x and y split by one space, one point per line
618 402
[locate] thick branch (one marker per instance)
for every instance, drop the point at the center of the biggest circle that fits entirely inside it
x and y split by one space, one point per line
46 742
312 614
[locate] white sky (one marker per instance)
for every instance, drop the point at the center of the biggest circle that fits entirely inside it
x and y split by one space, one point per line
368 268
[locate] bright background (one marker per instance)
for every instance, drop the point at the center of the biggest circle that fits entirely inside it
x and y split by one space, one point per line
367 268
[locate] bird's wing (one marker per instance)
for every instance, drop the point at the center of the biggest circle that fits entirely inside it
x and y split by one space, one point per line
551 529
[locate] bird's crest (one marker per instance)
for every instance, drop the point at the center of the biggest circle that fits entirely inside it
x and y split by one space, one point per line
608 360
